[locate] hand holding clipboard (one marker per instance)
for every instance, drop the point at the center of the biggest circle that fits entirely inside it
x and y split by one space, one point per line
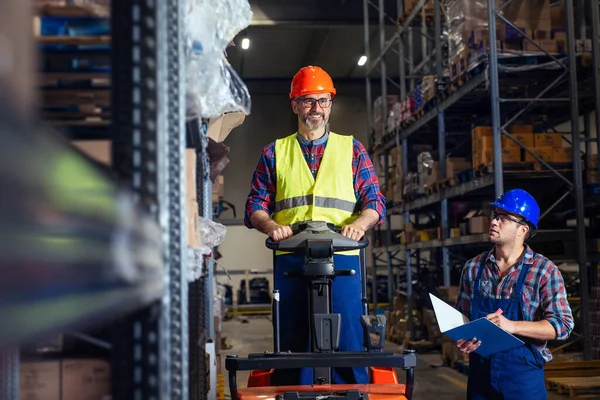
456 326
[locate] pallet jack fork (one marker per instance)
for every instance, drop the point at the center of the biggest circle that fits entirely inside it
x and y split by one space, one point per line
319 241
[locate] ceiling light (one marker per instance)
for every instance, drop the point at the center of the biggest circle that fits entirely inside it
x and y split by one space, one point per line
245 43
362 60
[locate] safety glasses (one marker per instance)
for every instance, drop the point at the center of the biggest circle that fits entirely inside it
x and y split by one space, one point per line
502 217
308 102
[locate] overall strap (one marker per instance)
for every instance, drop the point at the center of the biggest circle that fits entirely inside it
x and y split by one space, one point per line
480 268
522 277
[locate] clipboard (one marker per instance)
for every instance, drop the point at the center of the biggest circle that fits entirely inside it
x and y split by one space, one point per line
457 326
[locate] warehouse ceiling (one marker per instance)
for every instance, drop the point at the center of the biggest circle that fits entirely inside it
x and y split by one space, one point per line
286 35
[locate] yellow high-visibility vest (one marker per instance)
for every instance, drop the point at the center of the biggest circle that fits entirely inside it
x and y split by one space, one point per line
330 197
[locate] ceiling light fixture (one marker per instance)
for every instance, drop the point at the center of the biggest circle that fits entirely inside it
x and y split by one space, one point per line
362 60
245 43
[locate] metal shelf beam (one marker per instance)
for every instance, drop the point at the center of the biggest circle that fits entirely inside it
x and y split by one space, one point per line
454 191
429 116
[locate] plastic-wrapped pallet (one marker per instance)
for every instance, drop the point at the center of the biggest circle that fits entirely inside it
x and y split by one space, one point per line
380 130
407 109
428 85
213 87
397 115
418 98
425 165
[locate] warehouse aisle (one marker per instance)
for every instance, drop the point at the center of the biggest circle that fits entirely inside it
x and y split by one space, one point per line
432 381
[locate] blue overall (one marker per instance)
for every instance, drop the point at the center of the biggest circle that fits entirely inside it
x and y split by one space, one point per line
294 317
512 374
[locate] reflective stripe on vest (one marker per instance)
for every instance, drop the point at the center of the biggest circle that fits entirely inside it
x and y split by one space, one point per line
330 197
325 202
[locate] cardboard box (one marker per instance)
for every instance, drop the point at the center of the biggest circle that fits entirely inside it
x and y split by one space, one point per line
455 165
478 223
526 139
520 129
448 293
509 155
69 379
193 228
482 131
218 187
591 161
85 379
592 176
548 140
99 150
562 154
39 380
219 128
190 175
545 153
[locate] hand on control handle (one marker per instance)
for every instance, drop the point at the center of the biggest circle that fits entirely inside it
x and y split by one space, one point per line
353 232
280 233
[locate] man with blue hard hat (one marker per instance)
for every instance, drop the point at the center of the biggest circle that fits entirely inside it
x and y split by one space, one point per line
523 293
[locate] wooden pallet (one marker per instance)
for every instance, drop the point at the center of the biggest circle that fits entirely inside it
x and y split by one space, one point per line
74 80
568 369
58 98
70 11
576 387
526 166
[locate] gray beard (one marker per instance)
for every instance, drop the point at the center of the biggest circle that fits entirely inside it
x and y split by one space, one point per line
313 126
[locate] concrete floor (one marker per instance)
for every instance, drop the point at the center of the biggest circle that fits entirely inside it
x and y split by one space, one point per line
432 381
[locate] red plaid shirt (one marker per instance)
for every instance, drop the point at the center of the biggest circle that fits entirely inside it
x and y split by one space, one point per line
366 184
544 293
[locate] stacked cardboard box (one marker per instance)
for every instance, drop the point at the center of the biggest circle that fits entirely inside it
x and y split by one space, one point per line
192 199
536 19
409 5
396 177
432 328
67 379
398 322
591 169
428 88
381 123
454 165
548 146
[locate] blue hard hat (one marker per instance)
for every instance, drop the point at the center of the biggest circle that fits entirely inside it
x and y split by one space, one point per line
519 202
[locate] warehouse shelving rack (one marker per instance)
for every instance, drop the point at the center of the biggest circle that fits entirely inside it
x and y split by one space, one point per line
88 247
481 96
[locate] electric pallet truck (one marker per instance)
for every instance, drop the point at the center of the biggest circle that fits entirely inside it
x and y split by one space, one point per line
319 241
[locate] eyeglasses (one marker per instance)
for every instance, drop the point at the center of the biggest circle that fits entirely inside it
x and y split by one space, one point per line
308 102
506 218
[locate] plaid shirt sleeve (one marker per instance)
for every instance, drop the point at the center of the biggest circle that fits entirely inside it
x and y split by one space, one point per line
366 183
553 302
262 187
465 291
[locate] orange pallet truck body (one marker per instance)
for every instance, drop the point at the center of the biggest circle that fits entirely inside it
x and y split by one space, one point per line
319 241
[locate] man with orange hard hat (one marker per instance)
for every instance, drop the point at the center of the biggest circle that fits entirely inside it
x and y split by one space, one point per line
315 174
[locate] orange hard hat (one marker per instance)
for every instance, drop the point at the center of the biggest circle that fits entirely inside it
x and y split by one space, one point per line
311 80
